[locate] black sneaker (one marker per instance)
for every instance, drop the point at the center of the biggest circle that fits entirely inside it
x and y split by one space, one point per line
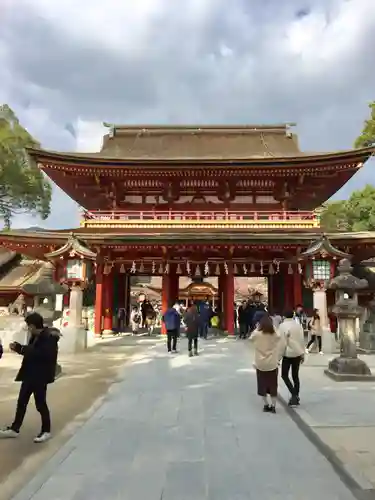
266 408
293 401
191 354
273 409
196 353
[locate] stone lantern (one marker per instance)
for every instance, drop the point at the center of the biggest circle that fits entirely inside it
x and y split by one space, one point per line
347 366
77 262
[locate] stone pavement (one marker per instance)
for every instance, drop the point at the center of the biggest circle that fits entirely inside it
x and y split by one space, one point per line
179 428
341 416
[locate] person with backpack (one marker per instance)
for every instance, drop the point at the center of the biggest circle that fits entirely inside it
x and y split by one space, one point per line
135 320
38 370
172 321
192 322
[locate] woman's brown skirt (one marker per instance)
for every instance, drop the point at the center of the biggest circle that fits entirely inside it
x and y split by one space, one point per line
267 383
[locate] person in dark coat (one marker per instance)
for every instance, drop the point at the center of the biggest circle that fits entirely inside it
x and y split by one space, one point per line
192 322
243 319
38 369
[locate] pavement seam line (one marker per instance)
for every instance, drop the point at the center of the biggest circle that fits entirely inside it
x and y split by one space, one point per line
356 486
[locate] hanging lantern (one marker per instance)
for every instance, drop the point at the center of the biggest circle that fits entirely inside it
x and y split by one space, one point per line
153 267
217 270
252 268
290 269
226 270
261 268
160 271
142 268
188 268
300 270
133 269
122 269
166 270
271 269
206 269
277 264
178 269
197 271
235 269
244 268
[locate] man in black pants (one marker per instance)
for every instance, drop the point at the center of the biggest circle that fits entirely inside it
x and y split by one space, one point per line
172 321
192 322
293 356
37 370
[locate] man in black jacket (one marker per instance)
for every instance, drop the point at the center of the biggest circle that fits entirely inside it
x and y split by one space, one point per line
37 370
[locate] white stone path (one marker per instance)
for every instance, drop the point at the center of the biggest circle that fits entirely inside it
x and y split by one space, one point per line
177 428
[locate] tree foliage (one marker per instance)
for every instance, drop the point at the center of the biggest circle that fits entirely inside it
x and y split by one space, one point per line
23 187
367 137
355 214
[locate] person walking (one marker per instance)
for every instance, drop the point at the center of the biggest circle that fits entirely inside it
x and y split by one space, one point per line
269 347
316 332
293 355
38 370
192 322
243 320
172 320
135 320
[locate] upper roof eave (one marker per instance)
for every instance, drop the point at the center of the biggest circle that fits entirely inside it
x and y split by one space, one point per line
96 159
62 236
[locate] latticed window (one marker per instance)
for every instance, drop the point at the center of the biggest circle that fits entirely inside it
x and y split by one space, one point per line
321 270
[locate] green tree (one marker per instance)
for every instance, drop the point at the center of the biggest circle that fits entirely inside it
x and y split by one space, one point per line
367 137
355 214
361 209
334 216
23 187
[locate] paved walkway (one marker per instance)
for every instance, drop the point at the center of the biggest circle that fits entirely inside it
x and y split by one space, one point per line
187 429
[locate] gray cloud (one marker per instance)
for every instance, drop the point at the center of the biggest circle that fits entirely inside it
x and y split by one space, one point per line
157 61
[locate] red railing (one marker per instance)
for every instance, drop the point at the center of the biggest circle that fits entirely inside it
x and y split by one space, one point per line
191 215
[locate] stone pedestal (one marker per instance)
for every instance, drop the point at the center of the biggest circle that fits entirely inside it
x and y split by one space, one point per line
348 369
74 336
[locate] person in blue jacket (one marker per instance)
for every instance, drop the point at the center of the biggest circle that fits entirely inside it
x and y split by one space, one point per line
172 321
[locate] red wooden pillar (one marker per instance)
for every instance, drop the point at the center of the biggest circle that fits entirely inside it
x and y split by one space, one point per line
288 290
98 299
108 302
229 300
173 284
221 290
165 297
127 298
297 288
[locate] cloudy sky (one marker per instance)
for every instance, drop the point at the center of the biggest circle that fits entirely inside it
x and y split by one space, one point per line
66 66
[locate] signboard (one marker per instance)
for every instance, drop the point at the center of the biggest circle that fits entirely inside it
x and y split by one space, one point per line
74 269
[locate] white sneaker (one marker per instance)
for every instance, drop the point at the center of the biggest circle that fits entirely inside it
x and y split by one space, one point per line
321 352
8 433
307 351
42 437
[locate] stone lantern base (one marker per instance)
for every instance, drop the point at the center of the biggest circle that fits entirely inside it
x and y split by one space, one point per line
344 369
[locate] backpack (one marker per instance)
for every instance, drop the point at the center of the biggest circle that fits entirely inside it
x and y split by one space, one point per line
137 318
171 319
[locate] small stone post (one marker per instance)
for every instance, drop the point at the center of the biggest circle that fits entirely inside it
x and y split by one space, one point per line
347 366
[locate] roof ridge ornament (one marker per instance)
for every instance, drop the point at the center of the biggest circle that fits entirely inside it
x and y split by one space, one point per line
72 248
323 248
